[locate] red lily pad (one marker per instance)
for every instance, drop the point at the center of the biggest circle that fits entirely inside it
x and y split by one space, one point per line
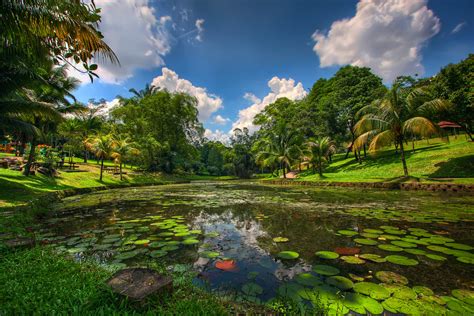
347 251
226 265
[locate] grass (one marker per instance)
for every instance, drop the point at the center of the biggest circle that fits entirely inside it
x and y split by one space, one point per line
432 161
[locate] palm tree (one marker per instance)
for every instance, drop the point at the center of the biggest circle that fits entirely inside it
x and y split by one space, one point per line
122 148
279 148
321 149
395 118
103 146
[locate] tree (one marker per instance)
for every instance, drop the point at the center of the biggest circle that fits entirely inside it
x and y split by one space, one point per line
242 157
320 149
122 148
102 146
393 118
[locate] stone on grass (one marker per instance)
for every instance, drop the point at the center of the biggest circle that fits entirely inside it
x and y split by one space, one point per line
138 283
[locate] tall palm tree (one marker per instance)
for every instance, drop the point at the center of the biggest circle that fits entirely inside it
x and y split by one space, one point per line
122 149
320 149
395 118
103 146
280 147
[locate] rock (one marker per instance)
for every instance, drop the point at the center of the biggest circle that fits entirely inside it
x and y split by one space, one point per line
139 283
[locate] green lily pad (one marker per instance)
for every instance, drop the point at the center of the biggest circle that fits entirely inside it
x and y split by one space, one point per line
390 248
190 241
435 257
373 290
327 254
252 289
170 248
326 270
289 291
288 255
308 279
372 306
347 232
340 282
390 277
395 232
212 234
389 237
355 302
415 251
393 304
466 296
280 239
403 244
352 260
401 260
158 253
405 293
459 246
363 241
373 231
369 235
423 290
142 242
166 234
209 254
468 260
372 257
126 255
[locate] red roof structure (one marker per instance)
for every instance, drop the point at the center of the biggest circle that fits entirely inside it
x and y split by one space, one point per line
446 124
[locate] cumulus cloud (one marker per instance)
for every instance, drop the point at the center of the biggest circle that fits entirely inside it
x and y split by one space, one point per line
279 88
458 27
217 135
385 35
207 103
200 29
136 34
105 108
218 119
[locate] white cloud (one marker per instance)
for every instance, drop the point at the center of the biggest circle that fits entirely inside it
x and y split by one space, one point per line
105 108
385 35
136 34
218 119
279 88
217 135
207 103
458 27
200 29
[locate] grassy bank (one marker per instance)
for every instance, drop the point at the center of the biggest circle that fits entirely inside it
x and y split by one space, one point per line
432 161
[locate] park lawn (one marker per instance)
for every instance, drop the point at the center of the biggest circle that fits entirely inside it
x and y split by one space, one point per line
433 161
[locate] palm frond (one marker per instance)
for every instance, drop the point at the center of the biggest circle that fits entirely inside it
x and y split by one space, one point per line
384 138
419 126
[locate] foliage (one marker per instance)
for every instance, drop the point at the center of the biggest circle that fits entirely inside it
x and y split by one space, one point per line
321 149
242 157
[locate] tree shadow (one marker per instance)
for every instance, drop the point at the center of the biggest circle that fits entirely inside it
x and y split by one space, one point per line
462 167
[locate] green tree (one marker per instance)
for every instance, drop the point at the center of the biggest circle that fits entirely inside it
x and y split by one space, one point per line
103 147
393 118
242 157
321 149
122 149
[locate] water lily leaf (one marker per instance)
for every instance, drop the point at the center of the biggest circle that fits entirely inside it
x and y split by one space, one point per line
468 260
391 277
326 270
369 235
142 242
363 241
401 260
415 251
403 244
356 277
389 237
166 234
459 246
352 260
372 306
347 232
340 282
252 289
373 231
196 231
288 255
393 304
373 290
355 302
327 254
126 255
405 293
280 239
435 257
289 290
226 265
466 296
347 251
372 257
390 248
395 232
423 290
157 244
212 234
308 279
190 241
158 253
170 248
209 254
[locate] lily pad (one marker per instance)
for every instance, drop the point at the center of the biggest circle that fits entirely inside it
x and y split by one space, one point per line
372 257
466 296
459 246
372 306
352 260
373 290
405 293
209 254
308 279
415 251
126 255
403 244
170 248
340 282
158 253
468 260
347 251
355 302
289 290
435 257
327 255
280 239
423 290
363 241
252 289
326 270
390 277
288 255
401 260
347 232
142 242
373 231
393 304
390 248
190 241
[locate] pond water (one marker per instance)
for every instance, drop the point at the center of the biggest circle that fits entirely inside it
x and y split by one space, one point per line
344 249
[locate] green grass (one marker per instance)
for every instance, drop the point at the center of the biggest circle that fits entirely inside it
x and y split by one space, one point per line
41 282
436 161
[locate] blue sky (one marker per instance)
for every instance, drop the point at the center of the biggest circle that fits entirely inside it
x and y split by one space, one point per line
219 50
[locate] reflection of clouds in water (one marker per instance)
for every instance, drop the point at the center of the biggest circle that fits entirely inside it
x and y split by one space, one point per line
289 273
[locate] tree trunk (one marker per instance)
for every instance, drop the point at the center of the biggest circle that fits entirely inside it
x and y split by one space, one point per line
101 168
402 152
284 171
413 146
121 171
320 166
85 154
365 153
31 157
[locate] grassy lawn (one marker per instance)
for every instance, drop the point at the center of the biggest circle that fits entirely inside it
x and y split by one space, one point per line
436 161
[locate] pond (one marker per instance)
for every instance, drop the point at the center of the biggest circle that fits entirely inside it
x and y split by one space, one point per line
342 249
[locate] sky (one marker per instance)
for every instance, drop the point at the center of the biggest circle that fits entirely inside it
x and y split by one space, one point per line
238 56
